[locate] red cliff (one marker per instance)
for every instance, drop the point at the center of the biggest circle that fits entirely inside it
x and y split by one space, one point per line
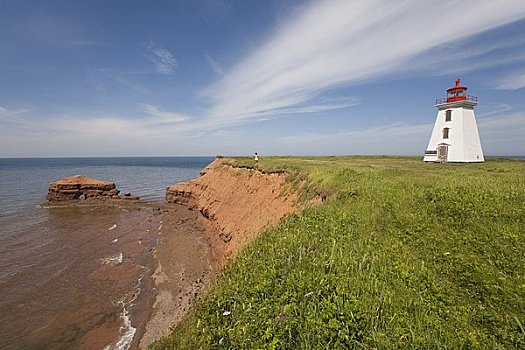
236 202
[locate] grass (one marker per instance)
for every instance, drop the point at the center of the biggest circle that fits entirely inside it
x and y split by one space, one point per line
403 254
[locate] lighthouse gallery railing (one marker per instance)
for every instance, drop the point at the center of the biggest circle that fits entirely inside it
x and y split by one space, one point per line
443 100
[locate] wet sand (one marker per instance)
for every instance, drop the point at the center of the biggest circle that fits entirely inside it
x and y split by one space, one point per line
186 264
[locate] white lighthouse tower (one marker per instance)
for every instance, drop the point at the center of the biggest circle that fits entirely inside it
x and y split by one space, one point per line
455 135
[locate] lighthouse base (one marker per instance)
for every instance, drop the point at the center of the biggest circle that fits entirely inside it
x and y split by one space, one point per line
435 159
428 160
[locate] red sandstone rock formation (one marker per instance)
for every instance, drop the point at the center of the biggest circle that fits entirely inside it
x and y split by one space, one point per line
236 202
79 186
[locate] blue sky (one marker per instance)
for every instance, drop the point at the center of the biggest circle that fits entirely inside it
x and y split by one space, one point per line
206 77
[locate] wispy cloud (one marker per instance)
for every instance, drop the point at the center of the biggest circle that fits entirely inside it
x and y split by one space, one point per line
462 56
395 138
503 121
335 43
502 133
118 77
13 114
163 60
512 82
374 135
497 133
214 64
494 110
84 43
151 121
164 116
316 106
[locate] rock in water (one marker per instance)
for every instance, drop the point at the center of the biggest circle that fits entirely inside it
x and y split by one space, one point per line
78 186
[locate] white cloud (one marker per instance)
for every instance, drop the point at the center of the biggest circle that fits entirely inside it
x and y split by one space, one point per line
214 64
320 105
164 116
503 134
13 115
333 43
95 128
80 134
100 76
152 122
512 82
498 109
503 121
386 139
163 60
461 57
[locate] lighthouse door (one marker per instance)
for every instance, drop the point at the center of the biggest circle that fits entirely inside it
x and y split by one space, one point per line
442 153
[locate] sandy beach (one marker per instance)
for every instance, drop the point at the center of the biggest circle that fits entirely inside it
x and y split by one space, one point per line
186 263
178 263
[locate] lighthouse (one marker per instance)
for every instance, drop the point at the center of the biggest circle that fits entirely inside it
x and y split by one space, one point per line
455 136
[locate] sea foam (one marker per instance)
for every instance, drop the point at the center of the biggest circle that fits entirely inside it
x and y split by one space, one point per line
127 331
112 260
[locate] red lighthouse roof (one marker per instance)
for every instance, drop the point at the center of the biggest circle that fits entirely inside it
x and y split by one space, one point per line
457 93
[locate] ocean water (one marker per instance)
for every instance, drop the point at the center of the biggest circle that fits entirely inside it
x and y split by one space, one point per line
24 181
70 276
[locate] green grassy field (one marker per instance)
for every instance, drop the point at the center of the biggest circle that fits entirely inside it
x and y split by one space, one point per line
402 255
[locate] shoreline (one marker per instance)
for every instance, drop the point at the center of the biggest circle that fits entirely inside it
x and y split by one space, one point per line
177 266
85 278
217 214
185 264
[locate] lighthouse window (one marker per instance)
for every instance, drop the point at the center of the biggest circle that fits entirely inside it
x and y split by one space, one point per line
448 116
445 133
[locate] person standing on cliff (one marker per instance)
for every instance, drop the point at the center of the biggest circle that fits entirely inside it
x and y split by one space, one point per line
256 158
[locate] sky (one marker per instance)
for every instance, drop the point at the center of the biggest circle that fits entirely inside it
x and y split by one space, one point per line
234 77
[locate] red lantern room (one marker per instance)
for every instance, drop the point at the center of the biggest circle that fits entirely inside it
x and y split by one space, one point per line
457 93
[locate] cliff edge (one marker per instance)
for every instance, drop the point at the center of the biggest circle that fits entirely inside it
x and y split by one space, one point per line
236 203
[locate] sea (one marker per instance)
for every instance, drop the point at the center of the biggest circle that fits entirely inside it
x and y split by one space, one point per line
68 275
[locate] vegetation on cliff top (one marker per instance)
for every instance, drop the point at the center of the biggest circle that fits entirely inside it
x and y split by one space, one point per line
402 255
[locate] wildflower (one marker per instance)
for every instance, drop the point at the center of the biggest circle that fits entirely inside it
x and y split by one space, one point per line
282 318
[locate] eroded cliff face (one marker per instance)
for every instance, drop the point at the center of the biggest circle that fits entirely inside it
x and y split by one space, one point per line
236 203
